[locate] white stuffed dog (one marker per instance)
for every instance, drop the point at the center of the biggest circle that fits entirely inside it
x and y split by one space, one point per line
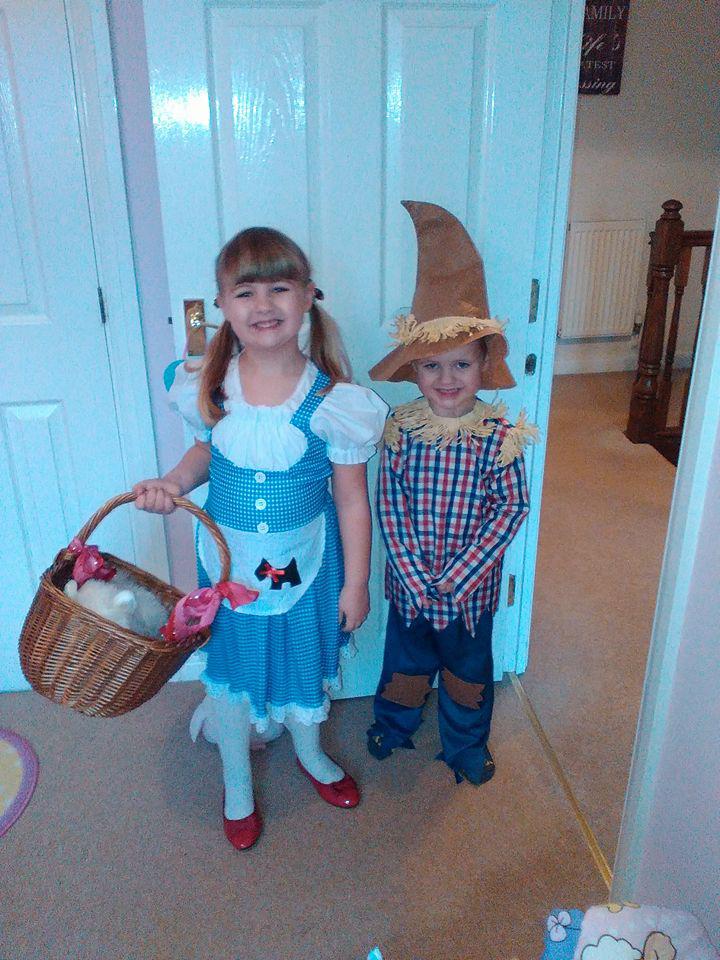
121 600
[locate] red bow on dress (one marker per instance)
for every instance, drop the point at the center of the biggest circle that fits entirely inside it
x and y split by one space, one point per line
90 563
197 610
267 570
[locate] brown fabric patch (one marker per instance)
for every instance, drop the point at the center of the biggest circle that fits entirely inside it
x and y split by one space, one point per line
462 691
406 690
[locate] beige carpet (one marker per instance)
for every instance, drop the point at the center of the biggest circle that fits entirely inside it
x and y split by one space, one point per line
602 534
121 856
121 853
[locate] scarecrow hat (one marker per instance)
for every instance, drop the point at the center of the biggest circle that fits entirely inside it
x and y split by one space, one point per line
450 306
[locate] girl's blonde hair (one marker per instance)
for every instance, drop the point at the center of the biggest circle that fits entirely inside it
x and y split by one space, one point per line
261 253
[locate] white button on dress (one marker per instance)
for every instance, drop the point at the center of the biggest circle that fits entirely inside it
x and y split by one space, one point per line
260 477
262 528
260 504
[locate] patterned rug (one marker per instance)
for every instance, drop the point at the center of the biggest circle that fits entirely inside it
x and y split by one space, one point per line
18 777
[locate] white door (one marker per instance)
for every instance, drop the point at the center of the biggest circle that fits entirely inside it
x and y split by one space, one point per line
319 118
60 455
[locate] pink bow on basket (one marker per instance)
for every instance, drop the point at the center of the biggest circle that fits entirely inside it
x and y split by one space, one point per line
90 564
197 610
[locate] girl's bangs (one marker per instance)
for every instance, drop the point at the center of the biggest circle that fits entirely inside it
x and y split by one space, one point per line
261 255
248 269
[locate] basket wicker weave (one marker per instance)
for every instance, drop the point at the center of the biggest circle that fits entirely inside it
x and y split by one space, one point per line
77 658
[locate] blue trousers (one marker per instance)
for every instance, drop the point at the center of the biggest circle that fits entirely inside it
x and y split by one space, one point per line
414 655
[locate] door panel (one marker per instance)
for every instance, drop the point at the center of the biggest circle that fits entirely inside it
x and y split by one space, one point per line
59 446
319 118
266 116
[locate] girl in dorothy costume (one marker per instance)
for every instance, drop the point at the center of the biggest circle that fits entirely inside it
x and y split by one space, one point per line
272 426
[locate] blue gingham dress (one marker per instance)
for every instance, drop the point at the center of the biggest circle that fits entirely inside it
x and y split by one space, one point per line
281 654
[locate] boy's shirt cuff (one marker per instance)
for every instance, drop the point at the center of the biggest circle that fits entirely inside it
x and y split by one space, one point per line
414 579
466 571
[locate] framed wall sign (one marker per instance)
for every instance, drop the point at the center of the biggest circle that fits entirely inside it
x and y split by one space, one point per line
603 46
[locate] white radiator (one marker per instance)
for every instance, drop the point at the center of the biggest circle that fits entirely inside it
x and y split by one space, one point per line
604 278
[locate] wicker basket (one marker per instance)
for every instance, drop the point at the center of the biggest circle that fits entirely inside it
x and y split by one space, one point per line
77 658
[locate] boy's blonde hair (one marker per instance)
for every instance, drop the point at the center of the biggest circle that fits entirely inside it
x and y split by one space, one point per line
482 351
261 253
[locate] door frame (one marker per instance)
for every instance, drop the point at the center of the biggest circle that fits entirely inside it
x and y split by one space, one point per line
555 176
89 39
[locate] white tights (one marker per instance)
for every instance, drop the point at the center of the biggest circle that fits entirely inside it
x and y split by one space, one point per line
204 721
228 725
306 740
231 729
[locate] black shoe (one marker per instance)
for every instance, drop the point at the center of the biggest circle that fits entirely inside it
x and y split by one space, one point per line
486 772
381 750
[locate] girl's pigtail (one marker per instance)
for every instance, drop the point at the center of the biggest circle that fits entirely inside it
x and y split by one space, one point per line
326 348
217 358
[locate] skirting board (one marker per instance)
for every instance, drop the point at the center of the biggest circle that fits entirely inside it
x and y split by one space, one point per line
598 357
603 357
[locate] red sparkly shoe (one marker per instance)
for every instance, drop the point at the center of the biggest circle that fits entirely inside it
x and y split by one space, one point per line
243 833
342 793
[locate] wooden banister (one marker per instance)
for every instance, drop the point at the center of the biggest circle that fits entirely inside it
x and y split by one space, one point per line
698 238
671 249
665 246
682 273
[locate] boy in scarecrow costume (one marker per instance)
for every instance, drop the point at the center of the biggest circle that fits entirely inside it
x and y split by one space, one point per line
451 497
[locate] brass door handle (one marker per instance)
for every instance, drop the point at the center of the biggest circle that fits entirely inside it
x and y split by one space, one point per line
195 327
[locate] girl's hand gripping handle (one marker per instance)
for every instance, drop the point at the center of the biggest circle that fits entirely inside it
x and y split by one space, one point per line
156 496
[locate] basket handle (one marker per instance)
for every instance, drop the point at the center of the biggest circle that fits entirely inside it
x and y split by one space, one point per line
186 504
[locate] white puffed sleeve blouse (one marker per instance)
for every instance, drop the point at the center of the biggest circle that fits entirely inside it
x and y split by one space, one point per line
350 420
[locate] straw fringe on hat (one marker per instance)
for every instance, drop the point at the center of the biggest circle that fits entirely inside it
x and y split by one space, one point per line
450 306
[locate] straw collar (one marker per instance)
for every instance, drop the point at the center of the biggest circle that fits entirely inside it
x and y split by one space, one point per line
418 420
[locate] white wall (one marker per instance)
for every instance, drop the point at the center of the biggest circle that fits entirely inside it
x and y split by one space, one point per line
680 864
656 140
669 847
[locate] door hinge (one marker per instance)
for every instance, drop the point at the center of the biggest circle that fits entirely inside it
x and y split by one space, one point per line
101 302
534 297
511 590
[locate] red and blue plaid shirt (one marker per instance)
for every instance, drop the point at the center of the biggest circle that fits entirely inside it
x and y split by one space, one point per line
448 513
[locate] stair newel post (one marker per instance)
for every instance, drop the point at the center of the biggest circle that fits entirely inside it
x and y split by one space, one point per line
666 243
